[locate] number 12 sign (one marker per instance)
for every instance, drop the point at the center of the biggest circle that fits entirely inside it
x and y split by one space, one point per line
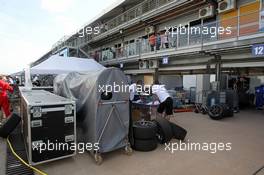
258 50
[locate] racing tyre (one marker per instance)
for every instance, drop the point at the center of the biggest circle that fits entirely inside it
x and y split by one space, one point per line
144 130
178 132
216 112
228 112
145 145
164 130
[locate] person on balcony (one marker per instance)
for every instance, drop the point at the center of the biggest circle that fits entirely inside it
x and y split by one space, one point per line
172 38
164 41
152 42
105 26
158 41
4 102
113 51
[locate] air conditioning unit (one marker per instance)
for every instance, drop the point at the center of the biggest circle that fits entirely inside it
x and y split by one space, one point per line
206 12
226 6
149 30
153 64
143 64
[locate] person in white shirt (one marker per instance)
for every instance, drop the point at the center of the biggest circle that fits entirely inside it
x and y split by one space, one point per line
132 91
166 102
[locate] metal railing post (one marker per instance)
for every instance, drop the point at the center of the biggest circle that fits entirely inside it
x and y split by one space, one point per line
238 24
202 25
188 35
178 39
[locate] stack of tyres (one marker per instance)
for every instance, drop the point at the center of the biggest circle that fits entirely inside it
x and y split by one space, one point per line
144 136
148 133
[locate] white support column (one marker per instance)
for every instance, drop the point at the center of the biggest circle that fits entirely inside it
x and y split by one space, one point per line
202 84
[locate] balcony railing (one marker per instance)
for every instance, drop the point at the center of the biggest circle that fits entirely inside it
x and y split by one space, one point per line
135 12
129 15
243 25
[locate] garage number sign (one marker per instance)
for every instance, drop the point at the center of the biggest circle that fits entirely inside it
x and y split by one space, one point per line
165 60
258 50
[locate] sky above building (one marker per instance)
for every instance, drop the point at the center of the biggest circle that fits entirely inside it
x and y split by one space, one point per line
28 29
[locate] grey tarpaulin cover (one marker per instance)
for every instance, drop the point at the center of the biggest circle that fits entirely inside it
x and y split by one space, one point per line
95 114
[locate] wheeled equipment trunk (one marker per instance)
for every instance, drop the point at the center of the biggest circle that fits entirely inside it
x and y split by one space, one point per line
48 126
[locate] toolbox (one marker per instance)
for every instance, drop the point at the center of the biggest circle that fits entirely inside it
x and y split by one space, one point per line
48 126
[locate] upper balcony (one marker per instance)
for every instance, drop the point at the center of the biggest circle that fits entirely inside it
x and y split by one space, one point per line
243 28
128 18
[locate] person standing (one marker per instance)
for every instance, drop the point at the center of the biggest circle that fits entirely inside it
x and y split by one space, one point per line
4 102
158 41
113 51
164 41
36 81
166 102
236 96
132 90
152 42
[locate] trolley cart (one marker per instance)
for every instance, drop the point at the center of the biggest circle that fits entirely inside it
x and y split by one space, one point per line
102 114
110 114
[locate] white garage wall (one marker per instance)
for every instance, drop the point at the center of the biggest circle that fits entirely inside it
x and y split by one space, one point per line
189 81
171 81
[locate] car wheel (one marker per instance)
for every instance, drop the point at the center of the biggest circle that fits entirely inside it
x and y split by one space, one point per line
216 112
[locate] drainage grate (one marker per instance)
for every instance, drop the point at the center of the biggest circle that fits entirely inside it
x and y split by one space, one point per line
13 165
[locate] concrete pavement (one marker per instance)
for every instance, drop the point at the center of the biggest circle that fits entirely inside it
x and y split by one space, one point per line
244 131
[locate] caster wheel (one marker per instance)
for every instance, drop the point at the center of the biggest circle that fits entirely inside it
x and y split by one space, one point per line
98 159
128 150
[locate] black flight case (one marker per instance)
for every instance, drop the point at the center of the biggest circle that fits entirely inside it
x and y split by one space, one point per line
48 126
